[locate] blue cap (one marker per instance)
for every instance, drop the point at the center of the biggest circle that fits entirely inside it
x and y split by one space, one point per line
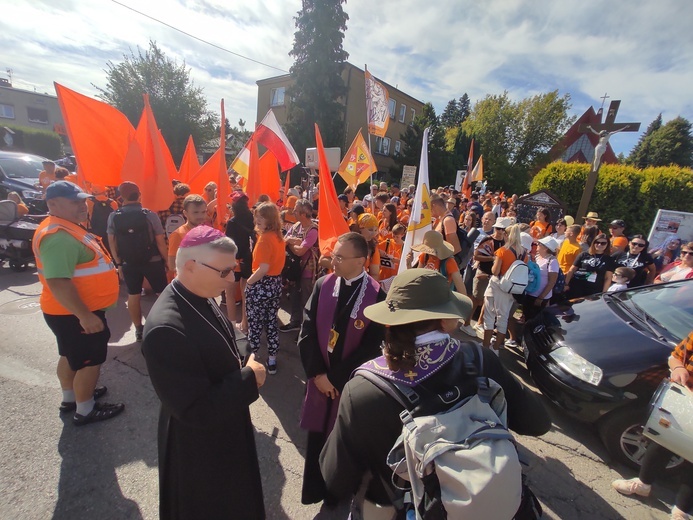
66 190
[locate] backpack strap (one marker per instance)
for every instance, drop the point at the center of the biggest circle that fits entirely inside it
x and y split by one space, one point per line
404 395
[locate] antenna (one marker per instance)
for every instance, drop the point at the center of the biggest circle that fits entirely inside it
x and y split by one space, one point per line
9 74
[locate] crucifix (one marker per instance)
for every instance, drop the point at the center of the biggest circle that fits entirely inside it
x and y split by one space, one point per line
604 130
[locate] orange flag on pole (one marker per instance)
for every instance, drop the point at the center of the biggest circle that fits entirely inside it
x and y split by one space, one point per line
189 164
358 163
100 136
467 181
478 171
253 185
332 223
269 176
146 163
287 185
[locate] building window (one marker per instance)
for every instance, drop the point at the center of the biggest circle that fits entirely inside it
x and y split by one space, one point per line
6 111
413 115
402 112
277 97
398 148
382 145
392 106
37 115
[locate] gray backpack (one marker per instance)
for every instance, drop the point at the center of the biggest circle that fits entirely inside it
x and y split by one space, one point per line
459 461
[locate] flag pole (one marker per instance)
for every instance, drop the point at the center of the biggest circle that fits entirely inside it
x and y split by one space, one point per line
370 150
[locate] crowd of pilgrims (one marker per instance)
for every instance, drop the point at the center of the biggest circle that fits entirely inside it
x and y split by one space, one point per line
590 258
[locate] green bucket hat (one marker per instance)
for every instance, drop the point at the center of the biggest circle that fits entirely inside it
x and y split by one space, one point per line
419 295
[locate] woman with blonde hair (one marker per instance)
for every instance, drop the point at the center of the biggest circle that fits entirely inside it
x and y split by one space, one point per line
263 288
498 303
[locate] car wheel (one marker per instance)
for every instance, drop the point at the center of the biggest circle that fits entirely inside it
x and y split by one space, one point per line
621 433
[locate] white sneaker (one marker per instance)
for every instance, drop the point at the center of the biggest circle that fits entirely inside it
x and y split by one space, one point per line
677 514
632 486
479 326
468 330
511 343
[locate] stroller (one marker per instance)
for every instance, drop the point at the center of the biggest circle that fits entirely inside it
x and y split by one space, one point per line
16 235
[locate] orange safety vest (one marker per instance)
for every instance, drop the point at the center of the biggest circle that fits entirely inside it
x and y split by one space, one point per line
96 281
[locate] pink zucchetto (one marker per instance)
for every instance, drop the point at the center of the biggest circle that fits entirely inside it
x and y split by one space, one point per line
201 235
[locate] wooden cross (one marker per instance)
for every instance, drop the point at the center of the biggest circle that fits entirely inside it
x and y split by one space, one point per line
605 130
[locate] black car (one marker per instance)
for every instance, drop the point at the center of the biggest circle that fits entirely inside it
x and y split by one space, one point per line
601 358
20 172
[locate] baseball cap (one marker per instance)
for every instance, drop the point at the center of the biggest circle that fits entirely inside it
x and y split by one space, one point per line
66 190
617 223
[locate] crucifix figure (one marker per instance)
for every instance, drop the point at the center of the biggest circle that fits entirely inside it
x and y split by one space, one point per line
604 130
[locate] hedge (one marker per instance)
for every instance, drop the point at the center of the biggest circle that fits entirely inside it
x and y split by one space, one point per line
32 140
622 192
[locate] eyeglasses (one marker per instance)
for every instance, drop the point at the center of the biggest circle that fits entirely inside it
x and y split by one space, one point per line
684 253
223 273
339 258
637 244
600 243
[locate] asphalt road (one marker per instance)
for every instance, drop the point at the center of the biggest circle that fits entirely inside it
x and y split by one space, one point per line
50 469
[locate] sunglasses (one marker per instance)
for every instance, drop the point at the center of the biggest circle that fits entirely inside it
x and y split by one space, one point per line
684 253
637 244
601 243
223 273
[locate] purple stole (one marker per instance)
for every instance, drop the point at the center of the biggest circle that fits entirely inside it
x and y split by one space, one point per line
314 414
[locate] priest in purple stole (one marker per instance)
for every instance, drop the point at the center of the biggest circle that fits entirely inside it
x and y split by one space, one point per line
335 339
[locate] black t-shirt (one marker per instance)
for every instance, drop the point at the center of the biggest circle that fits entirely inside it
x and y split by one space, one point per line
589 277
637 262
485 267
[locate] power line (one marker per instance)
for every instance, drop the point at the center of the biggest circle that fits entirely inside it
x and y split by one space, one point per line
197 38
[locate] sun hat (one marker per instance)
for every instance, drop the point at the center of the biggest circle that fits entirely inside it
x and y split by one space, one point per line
504 222
66 190
526 240
367 220
592 215
200 235
419 295
550 243
434 244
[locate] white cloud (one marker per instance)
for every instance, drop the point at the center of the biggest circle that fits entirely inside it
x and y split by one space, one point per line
638 51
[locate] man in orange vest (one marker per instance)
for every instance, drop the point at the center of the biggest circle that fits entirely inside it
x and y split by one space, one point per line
79 283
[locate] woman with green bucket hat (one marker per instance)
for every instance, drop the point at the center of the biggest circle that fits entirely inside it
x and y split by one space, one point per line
419 312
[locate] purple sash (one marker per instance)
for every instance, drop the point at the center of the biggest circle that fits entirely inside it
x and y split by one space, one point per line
314 414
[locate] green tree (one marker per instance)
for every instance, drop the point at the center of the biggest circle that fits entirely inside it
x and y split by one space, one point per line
451 116
515 136
179 107
440 170
671 143
317 75
464 106
640 152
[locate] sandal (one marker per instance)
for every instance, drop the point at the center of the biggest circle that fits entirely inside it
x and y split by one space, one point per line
70 406
101 412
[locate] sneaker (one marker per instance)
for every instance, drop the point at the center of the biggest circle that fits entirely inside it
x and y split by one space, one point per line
271 366
138 333
289 327
67 406
101 412
479 326
677 514
468 330
629 487
511 343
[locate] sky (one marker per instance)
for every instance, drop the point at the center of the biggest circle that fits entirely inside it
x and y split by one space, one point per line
638 51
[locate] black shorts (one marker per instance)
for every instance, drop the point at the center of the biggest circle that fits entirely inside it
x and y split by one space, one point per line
154 272
80 349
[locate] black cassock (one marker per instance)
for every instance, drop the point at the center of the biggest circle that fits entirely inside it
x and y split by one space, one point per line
208 466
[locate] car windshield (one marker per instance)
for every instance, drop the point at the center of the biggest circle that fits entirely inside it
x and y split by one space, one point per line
671 305
24 167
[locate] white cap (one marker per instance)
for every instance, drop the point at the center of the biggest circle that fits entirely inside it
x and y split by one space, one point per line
526 240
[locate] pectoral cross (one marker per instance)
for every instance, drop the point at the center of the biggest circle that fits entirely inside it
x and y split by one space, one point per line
411 375
604 130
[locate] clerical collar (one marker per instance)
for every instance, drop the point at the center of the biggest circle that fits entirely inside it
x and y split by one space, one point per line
355 278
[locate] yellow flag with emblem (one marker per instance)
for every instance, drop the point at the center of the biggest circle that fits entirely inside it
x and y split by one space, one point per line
358 164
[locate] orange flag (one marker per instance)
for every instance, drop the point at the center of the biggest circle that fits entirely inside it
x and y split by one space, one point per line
189 164
467 181
146 165
358 163
332 223
100 136
287 185
269 176
168 158
223 186
253 187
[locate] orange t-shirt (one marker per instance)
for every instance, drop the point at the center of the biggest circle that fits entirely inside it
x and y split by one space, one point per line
22 210
45 179
176 238
391 248
374 259
539 229
269 249
432 262
383 232
621 242
507 258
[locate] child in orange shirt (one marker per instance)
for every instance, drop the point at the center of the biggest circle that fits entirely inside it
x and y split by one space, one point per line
391 252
